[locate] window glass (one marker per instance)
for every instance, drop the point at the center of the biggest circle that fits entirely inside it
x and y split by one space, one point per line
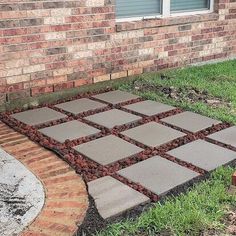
189 5
137 8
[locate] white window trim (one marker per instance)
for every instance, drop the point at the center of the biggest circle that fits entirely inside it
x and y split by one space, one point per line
165 8
165 5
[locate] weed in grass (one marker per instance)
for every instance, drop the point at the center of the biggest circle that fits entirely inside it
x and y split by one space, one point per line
209 90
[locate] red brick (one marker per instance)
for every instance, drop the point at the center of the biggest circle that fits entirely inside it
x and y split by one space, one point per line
85 44
41 90
62 86
63 204
54 173
80 82
234 179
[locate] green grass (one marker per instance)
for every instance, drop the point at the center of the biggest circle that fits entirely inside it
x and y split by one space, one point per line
218 80
204 206
188 214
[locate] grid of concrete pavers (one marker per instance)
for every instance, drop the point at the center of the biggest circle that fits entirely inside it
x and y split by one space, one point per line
156 174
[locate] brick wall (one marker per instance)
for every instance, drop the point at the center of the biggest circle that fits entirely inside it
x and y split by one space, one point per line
46 46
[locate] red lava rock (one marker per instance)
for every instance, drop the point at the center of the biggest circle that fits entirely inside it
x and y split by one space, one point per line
155 198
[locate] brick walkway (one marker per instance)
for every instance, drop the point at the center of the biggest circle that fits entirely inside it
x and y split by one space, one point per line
130 151
66 196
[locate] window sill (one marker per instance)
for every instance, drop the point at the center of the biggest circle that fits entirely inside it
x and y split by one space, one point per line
161 22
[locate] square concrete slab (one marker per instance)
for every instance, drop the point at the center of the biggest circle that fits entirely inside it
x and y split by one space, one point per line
203 154
38 116
115 97
191 121
108 149
113 118
149 108
227 136
113 197
69 130
80 105
153 134
158 174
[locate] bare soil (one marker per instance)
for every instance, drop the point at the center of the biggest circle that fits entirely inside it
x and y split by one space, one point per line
187 94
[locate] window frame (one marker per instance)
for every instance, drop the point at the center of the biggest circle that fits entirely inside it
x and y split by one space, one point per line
165 12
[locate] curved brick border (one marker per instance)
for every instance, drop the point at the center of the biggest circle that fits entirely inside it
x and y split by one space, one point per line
66 200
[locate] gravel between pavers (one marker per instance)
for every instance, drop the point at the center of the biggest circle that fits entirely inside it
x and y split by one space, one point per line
91 170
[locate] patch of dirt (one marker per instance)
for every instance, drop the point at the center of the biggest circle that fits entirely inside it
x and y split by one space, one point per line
229 221
93 222
187 94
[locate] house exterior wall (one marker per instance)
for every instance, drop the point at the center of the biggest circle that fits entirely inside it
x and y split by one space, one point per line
47 46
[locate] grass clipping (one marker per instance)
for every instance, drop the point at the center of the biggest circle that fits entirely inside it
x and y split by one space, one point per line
201 209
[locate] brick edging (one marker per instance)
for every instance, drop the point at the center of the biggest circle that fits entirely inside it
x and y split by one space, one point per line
234 179
66 199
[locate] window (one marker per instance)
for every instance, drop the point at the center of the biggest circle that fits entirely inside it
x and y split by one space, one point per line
141 9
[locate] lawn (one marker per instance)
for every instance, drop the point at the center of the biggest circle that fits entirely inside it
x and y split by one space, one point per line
209 90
